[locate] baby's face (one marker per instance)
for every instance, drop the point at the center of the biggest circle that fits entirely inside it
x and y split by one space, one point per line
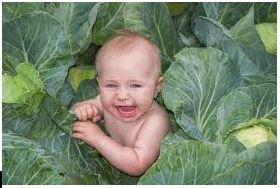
127 83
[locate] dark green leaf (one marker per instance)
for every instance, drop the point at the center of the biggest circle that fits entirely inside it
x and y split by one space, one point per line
201 77
149 19
26 162
192 162
88 89
229 13
212 33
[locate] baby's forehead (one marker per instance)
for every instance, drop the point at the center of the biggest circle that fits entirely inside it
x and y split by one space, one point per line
126 44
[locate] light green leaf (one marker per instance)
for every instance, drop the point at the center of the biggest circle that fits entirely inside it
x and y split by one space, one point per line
80 73
20 88
254 135
268 34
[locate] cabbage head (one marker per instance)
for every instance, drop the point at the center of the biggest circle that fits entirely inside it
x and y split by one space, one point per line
268 34
256 132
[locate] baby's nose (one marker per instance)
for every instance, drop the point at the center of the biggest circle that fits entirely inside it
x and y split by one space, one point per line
123 95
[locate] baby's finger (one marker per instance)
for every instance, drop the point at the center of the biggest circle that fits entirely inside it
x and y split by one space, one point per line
95 110
76 128
84 114
77 135
89 112
78 113
96 118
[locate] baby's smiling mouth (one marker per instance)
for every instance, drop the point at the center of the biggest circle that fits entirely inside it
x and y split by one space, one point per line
126 111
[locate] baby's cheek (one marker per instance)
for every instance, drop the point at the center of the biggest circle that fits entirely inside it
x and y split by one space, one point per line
106 98
146 97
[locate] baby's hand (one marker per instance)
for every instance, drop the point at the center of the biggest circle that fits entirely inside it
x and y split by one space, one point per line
86 111
86 131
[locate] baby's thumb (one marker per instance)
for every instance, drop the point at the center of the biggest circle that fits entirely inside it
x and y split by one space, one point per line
96 118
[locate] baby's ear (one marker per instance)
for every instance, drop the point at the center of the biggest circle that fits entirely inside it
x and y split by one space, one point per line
159 83
97 80
158 86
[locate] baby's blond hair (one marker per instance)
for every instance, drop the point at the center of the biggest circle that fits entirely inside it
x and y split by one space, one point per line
125 40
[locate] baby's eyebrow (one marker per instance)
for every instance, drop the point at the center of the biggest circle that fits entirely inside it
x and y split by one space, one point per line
106 81
138 81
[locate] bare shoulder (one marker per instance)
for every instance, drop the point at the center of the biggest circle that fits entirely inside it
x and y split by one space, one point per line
158 116
156 126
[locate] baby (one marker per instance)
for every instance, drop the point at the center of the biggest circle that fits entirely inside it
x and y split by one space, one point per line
129 76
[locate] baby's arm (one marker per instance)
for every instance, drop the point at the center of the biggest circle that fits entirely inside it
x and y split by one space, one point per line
132 160
89 109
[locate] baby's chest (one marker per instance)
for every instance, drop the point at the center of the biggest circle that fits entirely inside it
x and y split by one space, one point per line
125 136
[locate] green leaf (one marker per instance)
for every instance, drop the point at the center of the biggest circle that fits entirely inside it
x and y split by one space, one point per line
232 110
25 88
77 19
264 10
88 89
209 101
109 20
20 88
247 37
17 9
80 73
264 100
258 79
229 13
191 162
149 19
15 118
242 43
75 160
26 162
53 118
255 132
177 8
162 31
66 93
226 13
212 33
26 39
201 77
48 40
268 34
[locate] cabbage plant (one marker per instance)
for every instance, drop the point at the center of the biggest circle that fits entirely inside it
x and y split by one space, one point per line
219 65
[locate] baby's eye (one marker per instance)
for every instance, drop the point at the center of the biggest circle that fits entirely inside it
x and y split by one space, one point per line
135 85
110 85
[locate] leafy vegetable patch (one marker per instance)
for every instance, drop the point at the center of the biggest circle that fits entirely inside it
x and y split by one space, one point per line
219 67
